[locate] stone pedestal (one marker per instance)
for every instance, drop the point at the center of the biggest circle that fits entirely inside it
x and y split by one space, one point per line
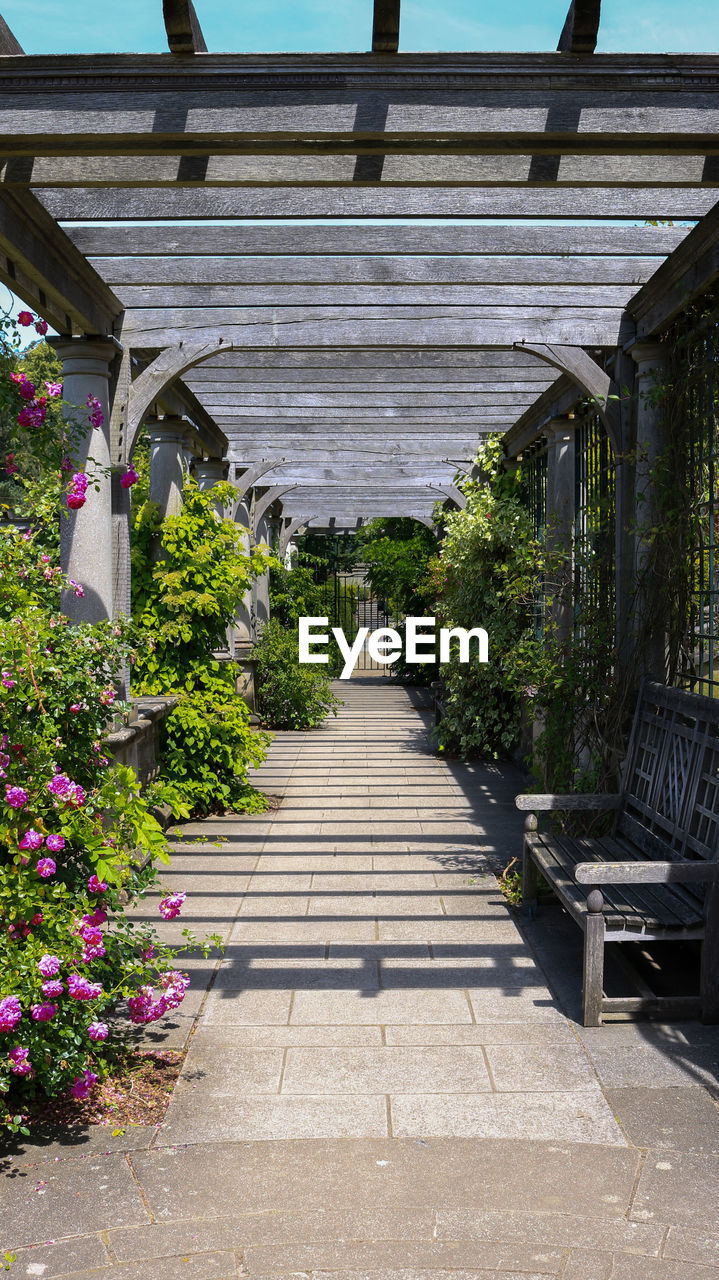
86 542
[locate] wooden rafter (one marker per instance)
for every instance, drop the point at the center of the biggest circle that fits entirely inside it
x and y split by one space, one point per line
385 26
579 33
184 33
8 43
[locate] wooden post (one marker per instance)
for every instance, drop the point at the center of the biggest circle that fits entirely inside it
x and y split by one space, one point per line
593 985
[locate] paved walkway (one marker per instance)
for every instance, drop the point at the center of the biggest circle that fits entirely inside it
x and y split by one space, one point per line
380 1079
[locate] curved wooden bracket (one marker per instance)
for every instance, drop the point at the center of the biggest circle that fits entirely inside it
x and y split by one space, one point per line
285 534
184 33
164 369
586 374
451 492
261 506
252 475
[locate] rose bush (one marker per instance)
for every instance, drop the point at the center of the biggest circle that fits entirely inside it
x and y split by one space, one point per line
71 822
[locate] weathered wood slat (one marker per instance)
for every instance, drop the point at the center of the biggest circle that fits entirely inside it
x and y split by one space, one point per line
298 382
404 362
89 204
534 297
576 801
425 170
123 241
646 872
375 327
385 270
692 270
289 399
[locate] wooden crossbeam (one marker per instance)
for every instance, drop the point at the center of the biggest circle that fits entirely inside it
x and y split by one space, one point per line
579 33
385 26
8 44
184 34
84 204
42 266
400 241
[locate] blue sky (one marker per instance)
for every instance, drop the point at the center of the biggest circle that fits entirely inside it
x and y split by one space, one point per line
74 26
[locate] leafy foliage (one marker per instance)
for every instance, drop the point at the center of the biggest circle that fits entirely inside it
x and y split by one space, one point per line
290 695
486 575
190 573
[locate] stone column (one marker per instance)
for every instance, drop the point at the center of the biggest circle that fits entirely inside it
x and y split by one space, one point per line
262 583
86 540
208 473
243 619
167 463
244 626
560 515
649 358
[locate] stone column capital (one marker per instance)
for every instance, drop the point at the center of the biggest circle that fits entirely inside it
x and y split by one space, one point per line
210 471
168 430
562 428
647 356
86 355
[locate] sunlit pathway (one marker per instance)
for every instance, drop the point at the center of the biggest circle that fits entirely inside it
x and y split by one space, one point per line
374 983
380 1084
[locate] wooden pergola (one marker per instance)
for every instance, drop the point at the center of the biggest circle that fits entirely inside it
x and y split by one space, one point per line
329 276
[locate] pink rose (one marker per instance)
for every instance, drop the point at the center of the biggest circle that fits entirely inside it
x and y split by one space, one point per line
20 1062
98 1031
95 885
16 797
25 319
49 966
171 905
43 1012
55 844
41 327
46 868
10 1013
31 840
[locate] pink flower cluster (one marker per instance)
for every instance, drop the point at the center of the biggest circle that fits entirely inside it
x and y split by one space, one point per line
43 1012
96 416
171 905
144 1007
92 939
10 1013
16 797
129 478
25 318
53 987
76 491
98 1031
34 411
31 840
81 1085
20 1062
81 989
63 789
46 867
49 965
11 467
95 885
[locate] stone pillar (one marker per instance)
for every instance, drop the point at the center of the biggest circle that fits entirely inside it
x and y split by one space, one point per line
560 515
649 358
243 620
86 537
167 463
208 473
261 589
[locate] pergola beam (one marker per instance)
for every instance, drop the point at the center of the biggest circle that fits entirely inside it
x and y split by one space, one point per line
184 34
42 266
385 26
9 46
399 242
580 30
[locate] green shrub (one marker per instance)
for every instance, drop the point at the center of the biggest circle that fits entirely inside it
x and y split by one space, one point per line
184 602
290 695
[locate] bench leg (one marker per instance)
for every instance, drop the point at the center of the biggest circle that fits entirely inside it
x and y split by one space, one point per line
529 871
710 958
593 986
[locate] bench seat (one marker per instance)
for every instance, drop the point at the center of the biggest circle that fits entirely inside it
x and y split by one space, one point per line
632 913
656 876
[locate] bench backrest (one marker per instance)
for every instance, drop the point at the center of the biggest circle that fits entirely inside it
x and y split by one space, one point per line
670 780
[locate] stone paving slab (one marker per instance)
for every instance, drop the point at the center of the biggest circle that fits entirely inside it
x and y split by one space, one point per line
382 1081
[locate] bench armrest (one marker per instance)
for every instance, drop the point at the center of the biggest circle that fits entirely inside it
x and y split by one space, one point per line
680 872
575 801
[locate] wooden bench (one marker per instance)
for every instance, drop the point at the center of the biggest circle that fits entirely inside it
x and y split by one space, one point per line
654 878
